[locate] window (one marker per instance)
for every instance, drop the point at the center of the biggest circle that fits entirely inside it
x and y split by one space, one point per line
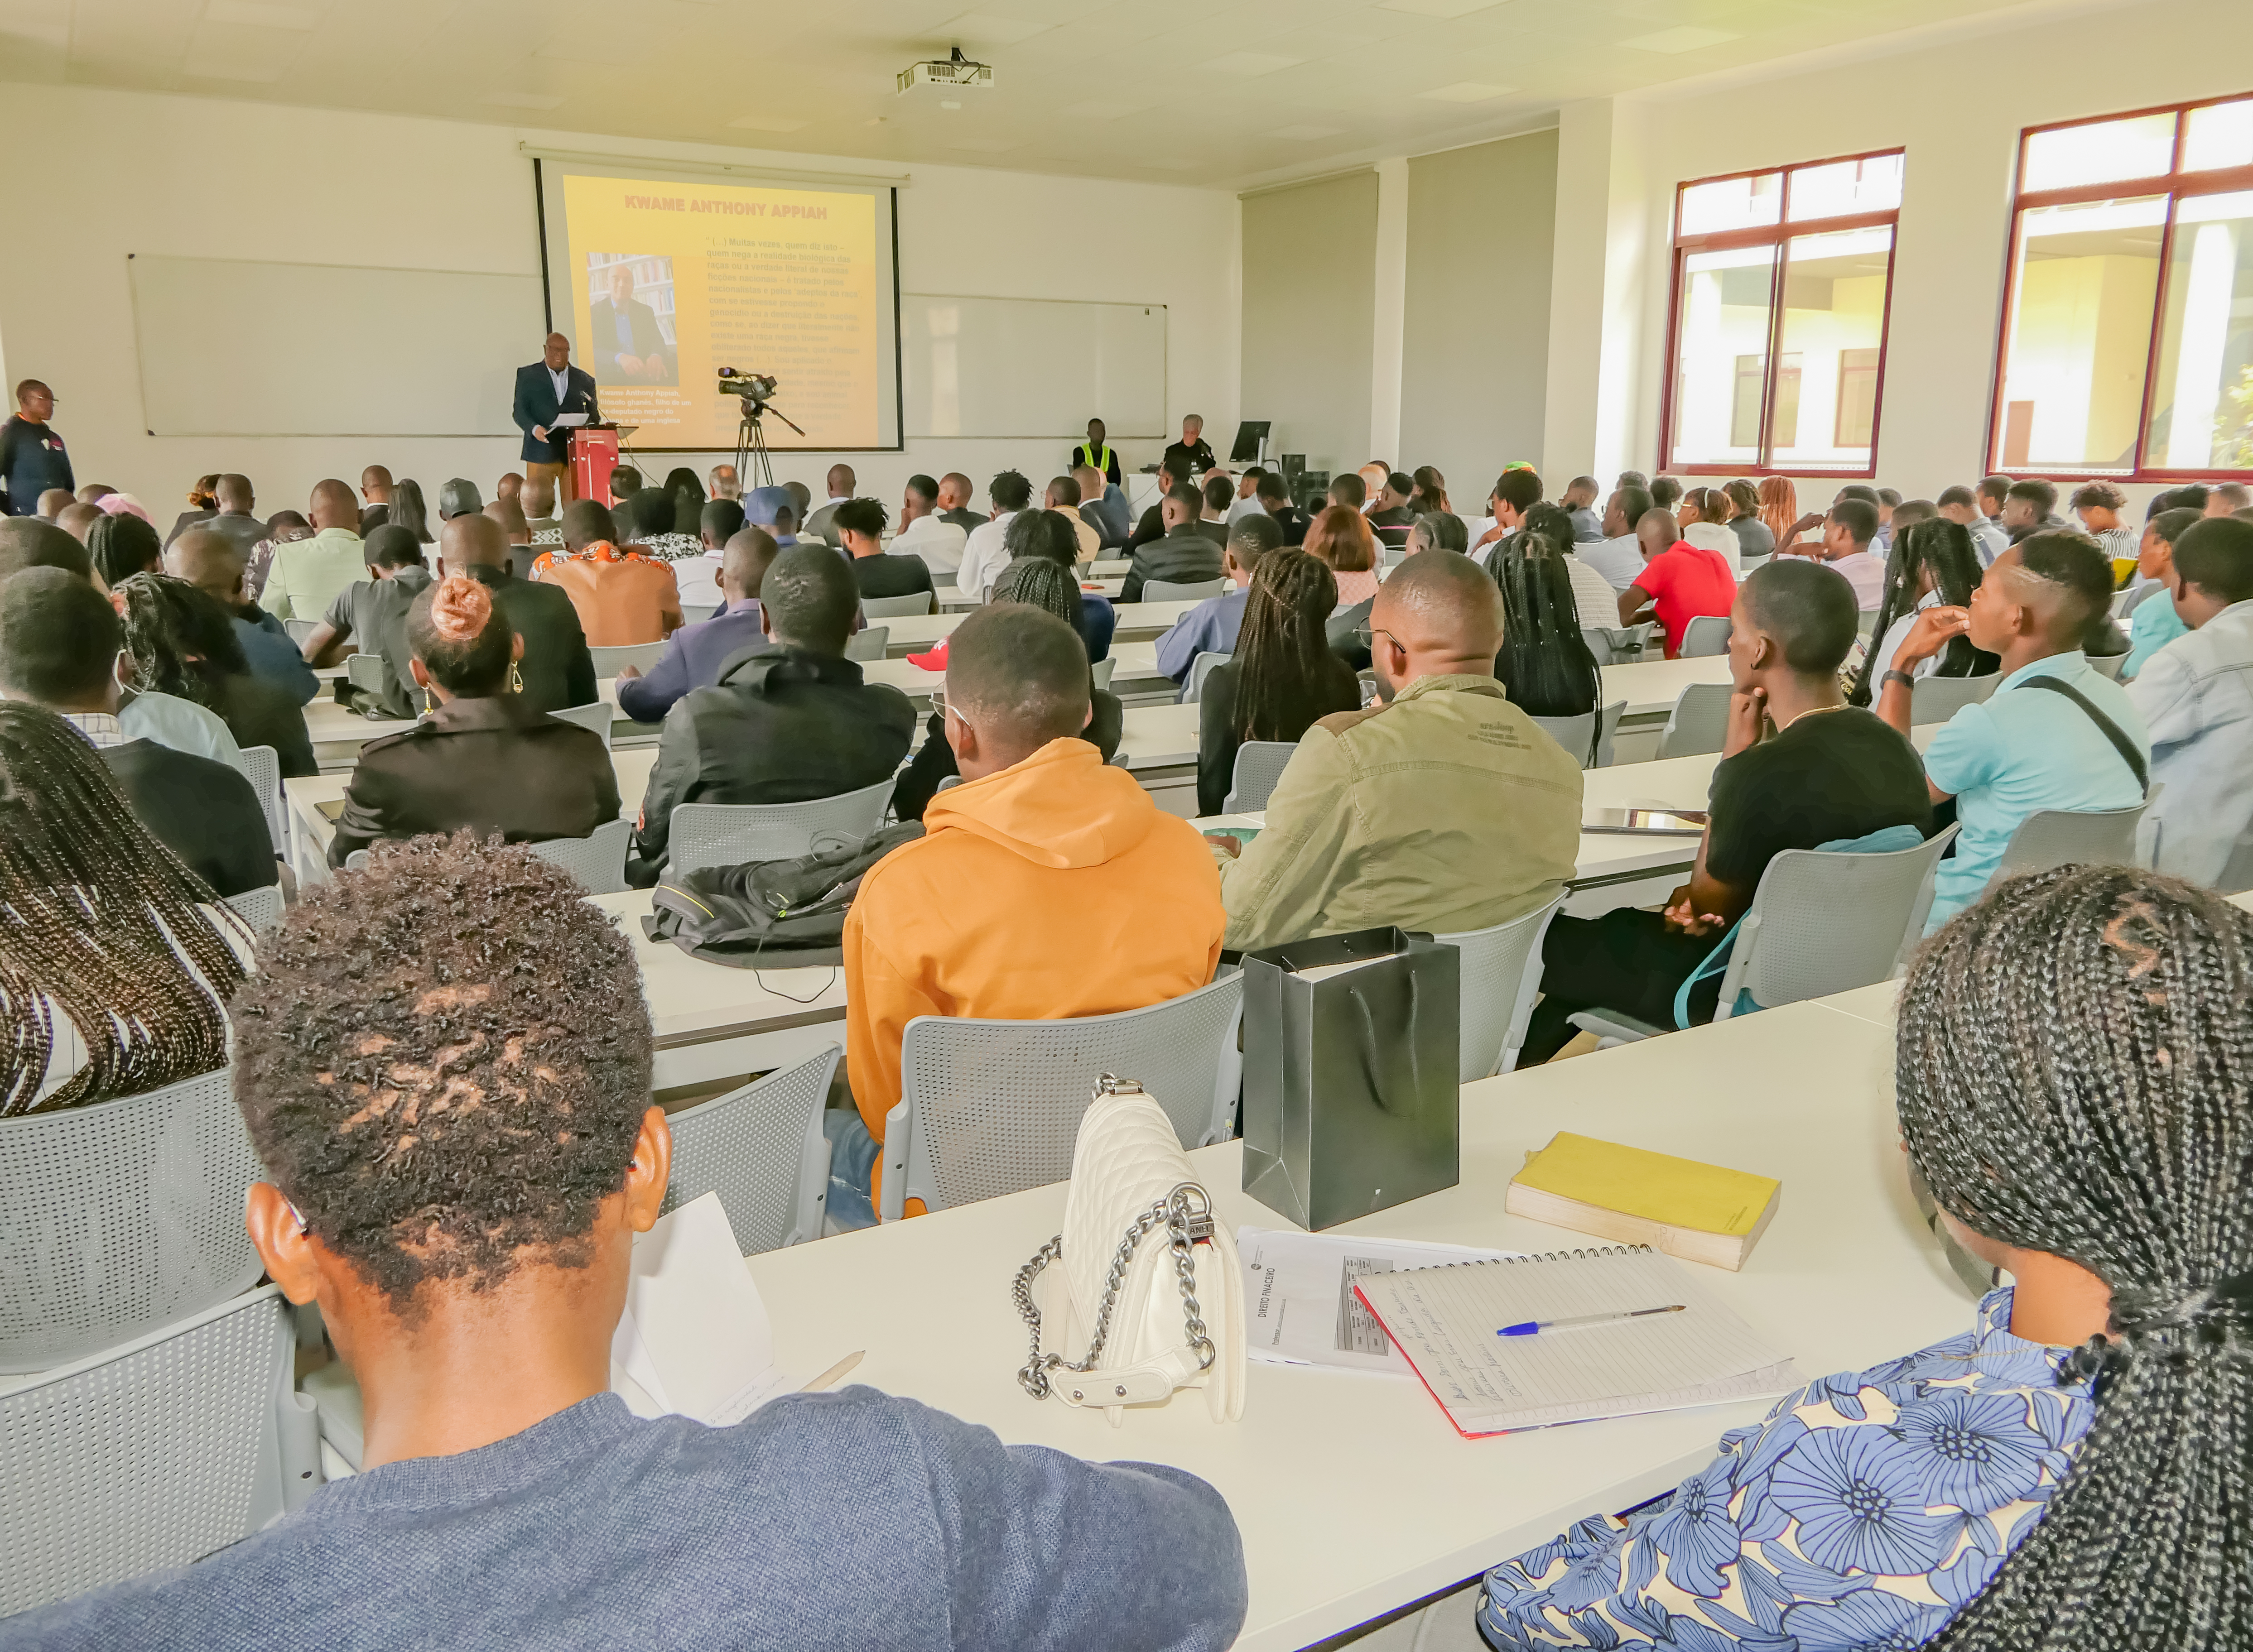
2127 346
1793 268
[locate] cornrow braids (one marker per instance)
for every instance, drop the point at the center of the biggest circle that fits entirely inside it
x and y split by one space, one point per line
1945 550
99 921
1545 662
2074 1061
1281 652
1042 583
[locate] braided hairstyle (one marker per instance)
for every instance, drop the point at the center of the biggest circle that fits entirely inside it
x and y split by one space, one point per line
96 916
179 640
2074 1061
1544 663
1944 550
461 638
1283 658
123 546
1040 583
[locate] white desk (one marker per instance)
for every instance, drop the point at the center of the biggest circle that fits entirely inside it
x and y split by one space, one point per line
1135 674
1354 1494
1138 623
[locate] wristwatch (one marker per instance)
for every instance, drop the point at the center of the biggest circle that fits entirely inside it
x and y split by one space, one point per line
1897 677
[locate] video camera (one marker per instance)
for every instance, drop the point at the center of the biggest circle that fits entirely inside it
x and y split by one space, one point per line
753 389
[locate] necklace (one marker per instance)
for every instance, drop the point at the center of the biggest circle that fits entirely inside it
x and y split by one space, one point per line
1812 711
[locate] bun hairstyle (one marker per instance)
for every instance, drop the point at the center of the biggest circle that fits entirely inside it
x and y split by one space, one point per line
461 638
204 496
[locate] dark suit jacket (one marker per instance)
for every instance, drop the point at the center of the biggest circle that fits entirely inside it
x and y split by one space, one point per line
206 812
557 668
535 406
1184 556
490 765
602 343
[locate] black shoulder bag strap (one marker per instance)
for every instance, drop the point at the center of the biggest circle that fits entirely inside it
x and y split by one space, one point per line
2121 743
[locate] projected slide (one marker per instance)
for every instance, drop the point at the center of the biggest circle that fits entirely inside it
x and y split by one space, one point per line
661 282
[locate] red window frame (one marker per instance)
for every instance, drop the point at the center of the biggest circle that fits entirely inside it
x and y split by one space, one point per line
1779 235
2171 184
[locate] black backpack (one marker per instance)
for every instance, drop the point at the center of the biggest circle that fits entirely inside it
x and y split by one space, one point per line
770 914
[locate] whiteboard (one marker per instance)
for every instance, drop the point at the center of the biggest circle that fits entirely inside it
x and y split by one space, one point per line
233 347
1038 367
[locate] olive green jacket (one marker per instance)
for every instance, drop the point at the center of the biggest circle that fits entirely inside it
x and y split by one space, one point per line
1447 810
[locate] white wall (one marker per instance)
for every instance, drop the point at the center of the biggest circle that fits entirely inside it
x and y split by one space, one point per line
123 171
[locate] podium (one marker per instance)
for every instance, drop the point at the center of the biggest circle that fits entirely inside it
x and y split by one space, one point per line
592 453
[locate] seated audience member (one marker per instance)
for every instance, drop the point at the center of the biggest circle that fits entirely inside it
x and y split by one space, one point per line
181 644
860 525
26 541
1373 477
515 532
94 492
372 618
59 641
2153 621
1515 492
822 524
1545 664
694 654
986 553
1185 556
1103 507
775 510
624 597
1445 808
1779 510
510 484
2067 1083
787 724
122 547
1247 493
404 508
375 489
1594 602
688 502
955 493
214 566
2030 507
2098 504
458 497
1392 516
1700 510
1211 627
538 499
283 527
1152 523
1960 504
1754 540
1889 501
924 533
1848 530
554 671
483 760
646 520
2024 748
1618 556
1342 541
2228 498
234 522
1275 495
1579 501
304 576
1040 582
1281 675
203 505
2195 695
1048 884
1063 498
500 1179
1349 491
1679 582
1933 564
1214 495
53 502
1828 773
1054 541
697 578
78 520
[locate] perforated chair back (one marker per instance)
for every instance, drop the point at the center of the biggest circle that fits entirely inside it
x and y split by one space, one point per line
262 766
868 642
761 1149
1937 698
2064 836
1590 738
1699 722
598 859
147 1456
641 656
1500 970
1259 764
261 909
299 630
595 718
1161 590
729 833
898 607
989 1107
1103 669
1200 668
366 671
1706 636
120 1217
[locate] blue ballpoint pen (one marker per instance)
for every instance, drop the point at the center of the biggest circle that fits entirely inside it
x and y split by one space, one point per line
1531 1327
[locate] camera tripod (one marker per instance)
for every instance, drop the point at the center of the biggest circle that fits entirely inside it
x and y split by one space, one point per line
751 445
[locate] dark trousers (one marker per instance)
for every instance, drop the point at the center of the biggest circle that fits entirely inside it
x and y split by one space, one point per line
1626 960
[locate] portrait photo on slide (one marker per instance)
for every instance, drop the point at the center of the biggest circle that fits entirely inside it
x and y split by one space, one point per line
630 334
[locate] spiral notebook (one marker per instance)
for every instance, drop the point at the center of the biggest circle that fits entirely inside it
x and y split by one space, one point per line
1446 1321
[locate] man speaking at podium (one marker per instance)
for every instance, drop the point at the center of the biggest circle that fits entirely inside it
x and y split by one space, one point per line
545 390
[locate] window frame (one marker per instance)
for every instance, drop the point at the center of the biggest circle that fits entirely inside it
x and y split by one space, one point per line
2173 185
1779 235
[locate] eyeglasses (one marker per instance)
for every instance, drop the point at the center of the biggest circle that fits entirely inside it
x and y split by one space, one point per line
938 703
1367 634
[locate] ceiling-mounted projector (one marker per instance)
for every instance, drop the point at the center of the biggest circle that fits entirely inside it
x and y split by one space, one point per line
955 73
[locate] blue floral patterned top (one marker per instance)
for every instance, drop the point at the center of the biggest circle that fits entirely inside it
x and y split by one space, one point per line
1859 1515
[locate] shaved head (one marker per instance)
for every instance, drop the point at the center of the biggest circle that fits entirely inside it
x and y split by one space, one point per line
1442 604
1019 676
955 491
334 505
1657 531
506 513
743 564
78 520
209 562
584 522
26 541
473 540
537 496
235 494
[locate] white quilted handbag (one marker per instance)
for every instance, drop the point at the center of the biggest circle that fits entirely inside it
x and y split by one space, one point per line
1151 1287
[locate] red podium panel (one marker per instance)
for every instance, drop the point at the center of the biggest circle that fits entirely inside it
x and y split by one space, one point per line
592 455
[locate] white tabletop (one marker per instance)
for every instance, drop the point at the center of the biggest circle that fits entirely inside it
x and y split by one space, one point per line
1354 1494
1136 672
1651 686
1138 621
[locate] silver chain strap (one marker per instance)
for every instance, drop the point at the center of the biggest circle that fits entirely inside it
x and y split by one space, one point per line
1186 1214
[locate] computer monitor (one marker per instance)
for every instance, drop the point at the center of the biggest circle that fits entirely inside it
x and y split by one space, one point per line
1250 442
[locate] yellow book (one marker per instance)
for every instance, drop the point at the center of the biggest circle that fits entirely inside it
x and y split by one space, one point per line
1700 1212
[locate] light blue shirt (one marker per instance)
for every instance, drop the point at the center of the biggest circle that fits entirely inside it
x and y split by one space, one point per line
2017 752
1211 627
181 724
2152 627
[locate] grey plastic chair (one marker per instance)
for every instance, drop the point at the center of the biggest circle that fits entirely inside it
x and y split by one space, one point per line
641 656
261 909
1259 764
1200 668
1820 923
990 1107
704 835
1706 636
2064 836
1866 624
1500 969
868 642
1104 667
1699 722
366 671
761 1149
261 765
1937 698
595 718
598 859
119 1217
1590 736
899 607
155 1453
1160 591
299 630
2108 664
1616 645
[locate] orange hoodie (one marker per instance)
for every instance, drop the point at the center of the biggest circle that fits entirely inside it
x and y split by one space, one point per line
1055 888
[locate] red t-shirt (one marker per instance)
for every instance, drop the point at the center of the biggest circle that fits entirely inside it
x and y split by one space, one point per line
1685 582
